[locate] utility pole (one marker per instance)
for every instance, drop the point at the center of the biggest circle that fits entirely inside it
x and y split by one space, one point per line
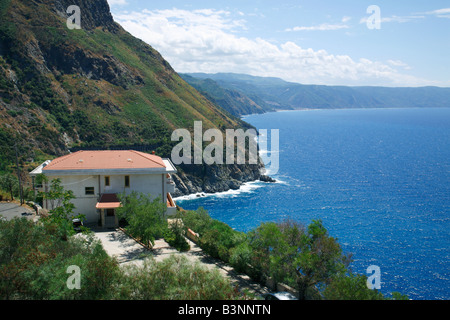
18 175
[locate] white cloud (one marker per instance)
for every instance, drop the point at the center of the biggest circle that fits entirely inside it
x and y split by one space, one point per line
441 13
208 41
321 27
117 2
399 63
346 19
394 18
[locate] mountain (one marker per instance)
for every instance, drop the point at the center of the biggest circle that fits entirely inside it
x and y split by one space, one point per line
97 87
233 101
283 95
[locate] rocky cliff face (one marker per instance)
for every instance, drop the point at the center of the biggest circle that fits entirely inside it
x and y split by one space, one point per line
97 88
94 14
214 178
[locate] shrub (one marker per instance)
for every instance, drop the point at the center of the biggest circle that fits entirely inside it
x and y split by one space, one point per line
216 238
34 261
240 259
145 217
174 278
174 236
197 220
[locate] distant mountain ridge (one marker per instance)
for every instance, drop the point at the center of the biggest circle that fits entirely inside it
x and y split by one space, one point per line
277 94
233 101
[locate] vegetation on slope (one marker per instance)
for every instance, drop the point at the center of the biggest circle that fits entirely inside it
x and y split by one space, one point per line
96 87
232 101
306 258
35 263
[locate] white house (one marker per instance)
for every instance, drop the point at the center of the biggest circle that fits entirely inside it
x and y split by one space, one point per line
96 177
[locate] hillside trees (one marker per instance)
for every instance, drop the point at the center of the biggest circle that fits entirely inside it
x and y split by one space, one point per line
144 216
9 183
146 220
34 260
306 258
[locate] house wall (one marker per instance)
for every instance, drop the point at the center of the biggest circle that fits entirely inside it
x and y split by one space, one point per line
153 184
84 204
149 184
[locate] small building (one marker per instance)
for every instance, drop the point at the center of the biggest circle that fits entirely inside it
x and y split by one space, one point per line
97 177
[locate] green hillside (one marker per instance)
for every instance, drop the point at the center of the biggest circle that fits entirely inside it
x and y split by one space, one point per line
96 87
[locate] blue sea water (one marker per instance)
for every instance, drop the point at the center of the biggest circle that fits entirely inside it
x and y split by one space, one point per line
378 178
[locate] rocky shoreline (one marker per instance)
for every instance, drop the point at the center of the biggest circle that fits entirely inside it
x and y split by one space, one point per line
216 178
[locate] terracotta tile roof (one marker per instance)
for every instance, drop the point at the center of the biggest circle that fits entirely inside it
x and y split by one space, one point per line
108 159
108 201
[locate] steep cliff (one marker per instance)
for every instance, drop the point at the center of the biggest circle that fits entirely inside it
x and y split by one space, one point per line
97 87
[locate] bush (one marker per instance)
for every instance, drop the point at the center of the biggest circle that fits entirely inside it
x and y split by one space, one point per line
240 259
174 278
196 220
219 239
145 217
216 238
34 261
174 236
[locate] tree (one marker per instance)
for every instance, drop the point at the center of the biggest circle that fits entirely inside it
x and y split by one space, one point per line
61 207
320 258
34 261
351 287
9 183
306 257
59 199
145 217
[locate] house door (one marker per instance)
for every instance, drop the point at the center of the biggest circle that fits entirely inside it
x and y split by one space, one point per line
110 218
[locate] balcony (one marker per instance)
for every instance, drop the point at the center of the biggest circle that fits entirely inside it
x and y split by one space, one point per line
171 206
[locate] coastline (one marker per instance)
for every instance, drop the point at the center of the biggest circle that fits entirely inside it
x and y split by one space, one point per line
242 117
246 187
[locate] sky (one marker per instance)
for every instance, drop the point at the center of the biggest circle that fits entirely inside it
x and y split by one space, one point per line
378 43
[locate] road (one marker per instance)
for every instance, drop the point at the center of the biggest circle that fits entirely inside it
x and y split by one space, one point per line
11 210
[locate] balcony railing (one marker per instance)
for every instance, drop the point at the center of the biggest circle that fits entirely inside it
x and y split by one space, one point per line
171 206
170 202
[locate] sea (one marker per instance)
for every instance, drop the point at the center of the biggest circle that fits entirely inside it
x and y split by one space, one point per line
379 179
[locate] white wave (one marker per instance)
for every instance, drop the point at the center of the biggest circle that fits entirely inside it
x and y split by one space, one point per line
247 187
191 196
269 171
280 181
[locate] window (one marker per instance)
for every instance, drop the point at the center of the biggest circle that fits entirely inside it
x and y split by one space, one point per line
127 181
106 181
89 190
